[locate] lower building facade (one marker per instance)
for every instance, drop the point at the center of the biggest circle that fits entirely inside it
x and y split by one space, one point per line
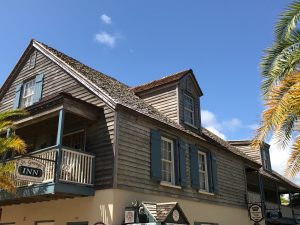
108 207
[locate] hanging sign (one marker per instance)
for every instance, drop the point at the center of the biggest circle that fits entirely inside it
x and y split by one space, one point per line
255 212
30 170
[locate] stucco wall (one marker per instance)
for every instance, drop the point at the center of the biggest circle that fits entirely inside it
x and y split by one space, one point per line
108 206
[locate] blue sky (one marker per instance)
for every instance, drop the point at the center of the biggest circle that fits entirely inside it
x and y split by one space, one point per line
138 41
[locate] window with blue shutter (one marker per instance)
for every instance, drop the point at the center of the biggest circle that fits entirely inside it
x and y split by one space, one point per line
194 167
38 88
29 92
203 166
155 147
214 173
17 96
182 163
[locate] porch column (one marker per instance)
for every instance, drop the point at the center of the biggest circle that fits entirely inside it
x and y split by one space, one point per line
291 204
278 200
59 138
262 193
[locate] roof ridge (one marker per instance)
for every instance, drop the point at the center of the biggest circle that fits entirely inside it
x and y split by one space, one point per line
164 77
121 94
47 46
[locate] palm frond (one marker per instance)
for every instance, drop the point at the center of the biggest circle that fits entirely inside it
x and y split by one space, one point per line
293 164
12 114
13 143
287 21
284 63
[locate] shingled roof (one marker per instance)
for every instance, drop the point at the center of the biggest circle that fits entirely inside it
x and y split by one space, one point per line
165 80
245 146
160 211
116 93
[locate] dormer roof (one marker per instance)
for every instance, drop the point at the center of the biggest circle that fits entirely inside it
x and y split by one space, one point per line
169 79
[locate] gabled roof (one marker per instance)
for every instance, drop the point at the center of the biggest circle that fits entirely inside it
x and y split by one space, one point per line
245 146
161 211
167 80
113 93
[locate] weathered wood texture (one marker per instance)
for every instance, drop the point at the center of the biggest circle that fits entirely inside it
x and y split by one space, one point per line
100 135
134 164
55 80
182 89
251 152
99 141
163 99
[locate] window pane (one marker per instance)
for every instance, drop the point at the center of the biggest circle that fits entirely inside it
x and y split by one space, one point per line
167 160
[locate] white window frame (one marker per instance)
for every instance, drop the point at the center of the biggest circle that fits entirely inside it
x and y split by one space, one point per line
186 96
203 172
168 161
31 95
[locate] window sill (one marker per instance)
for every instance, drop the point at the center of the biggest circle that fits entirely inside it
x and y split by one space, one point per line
191 125
166 184
206 193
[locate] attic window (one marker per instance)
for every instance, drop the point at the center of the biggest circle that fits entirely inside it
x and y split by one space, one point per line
32 60
189 110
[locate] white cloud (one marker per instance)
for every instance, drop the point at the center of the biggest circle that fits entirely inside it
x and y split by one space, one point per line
279 158
210 122
106 39
216 132
105 19
232 125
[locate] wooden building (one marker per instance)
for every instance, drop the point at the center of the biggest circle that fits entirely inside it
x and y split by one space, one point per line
269 189
105 145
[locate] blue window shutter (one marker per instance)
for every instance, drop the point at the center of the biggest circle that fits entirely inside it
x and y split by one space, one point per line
38 87
155 146
176 162
182 163
194 167
214 169
209 172
17 96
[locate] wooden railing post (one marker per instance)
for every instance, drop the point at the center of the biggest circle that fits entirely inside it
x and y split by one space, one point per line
59 138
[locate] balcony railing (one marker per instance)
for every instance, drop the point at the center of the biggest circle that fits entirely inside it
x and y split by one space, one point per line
287 211
75 167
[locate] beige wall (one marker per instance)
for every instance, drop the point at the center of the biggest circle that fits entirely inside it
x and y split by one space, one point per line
108 206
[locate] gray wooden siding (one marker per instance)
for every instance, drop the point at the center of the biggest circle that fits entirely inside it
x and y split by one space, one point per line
182 88
99 141
100 135
55 80
251 152
134 165
165 100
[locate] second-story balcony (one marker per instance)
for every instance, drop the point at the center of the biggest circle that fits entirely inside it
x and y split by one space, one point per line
56 136
287 212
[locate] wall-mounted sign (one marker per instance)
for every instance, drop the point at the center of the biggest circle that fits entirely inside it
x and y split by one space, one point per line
255 212
175 215
31 170
129 216
274 215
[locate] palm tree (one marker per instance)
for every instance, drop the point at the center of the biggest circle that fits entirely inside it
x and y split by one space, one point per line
280 69
9 142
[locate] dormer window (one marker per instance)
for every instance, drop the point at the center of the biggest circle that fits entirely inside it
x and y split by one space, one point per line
189 110
28 93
